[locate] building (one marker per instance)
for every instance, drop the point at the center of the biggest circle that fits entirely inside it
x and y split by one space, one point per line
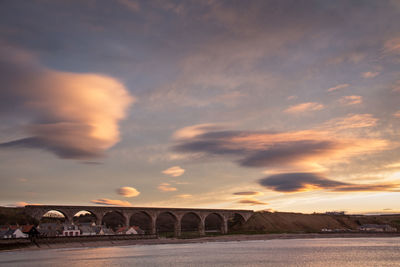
126 230
13 233
138 230
377 228
102 230
30 230
87 229
335 213
71 230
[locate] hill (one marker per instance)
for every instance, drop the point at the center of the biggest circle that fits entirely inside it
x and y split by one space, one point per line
287 222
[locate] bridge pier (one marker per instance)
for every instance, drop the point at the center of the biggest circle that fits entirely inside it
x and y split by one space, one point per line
153 228
224 225
126 218
202 226
99 221
178 227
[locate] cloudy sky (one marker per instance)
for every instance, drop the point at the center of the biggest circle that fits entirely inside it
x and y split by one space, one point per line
279 105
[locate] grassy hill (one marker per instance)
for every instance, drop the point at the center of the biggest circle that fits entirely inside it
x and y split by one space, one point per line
287 222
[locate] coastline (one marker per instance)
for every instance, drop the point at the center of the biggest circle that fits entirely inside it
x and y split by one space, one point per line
223 238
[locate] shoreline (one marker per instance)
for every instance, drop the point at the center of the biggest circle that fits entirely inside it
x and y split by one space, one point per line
224 238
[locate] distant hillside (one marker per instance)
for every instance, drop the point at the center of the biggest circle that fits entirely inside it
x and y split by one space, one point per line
286 222
12 216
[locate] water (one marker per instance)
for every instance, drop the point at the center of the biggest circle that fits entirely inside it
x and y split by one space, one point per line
291 252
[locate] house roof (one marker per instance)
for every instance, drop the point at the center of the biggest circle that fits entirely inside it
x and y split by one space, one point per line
9 232
122 229
26 228
3 233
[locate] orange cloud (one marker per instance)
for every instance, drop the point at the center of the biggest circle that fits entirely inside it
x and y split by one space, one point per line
304 107
351 100
111 202
302 150
166 187
194 130
247 193
352 121
396 86
127 191
73 115
392 45
174 171
397 114
337 87
184 196
370 74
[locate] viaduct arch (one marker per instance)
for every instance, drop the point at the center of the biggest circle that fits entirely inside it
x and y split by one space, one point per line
37 212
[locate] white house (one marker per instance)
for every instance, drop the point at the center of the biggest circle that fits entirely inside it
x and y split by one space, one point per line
88 229
71 230
126 231
14 233
131 231
377 228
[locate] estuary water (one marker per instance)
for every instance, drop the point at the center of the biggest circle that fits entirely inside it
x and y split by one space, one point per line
338 252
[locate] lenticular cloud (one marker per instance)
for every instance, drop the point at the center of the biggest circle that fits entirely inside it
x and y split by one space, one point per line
72 115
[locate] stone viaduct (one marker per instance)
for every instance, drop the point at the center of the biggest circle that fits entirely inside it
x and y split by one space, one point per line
37 212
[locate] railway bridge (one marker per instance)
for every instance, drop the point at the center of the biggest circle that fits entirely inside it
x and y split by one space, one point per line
152 215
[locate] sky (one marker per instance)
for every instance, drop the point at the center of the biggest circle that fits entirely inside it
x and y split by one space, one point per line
261 105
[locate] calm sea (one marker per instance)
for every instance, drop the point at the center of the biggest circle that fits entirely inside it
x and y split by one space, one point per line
338 252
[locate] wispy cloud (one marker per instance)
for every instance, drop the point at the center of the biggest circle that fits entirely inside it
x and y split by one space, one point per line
352 121
127 191
184 196
297 148
252 202
166 187
174 171
351 100
304 107
111 202
130 5
82 130
370 74
337 87
247 193
396 86
392 45
297 182
194 130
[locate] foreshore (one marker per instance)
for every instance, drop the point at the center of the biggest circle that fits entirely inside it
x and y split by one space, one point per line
157 241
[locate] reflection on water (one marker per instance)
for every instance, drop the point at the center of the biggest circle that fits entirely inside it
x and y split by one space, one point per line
295 252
